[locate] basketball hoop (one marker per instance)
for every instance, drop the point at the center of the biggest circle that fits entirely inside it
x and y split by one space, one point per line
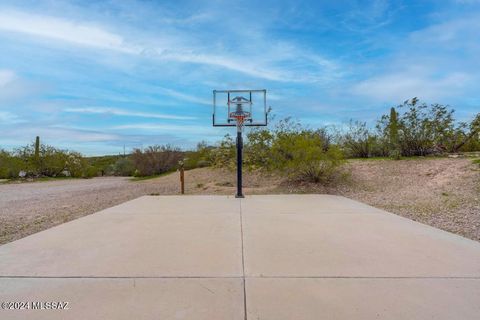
230 105
239 111
240 117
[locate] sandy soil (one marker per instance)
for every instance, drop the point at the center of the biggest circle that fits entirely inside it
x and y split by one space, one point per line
444 193
441 192
26 208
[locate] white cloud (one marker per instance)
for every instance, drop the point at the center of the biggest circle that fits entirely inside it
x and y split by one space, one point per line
25 132
182 96
437 63
179 47
95 36
6 76
178 129
14 88
9 118
450 33
64 30
227 63
120 112
404 85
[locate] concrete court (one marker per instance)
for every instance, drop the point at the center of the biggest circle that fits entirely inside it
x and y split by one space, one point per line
274 257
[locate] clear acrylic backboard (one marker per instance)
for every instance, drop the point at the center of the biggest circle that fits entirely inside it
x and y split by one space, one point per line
253 104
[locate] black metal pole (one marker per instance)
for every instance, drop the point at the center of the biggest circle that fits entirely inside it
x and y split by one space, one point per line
239 164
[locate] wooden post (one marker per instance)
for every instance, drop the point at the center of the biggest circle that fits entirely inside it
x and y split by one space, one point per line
182 178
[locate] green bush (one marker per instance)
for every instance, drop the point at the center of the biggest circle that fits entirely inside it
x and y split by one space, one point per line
75 165
90 172
202 164
361 142
257 149
10 166
417 129
421 129
156 159
223 155
298 153
200 157
123 167
469 137
40 160
104 164
303 157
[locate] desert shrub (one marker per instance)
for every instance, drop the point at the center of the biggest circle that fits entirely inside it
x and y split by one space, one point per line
289 149
123 167
468 139
471 145
425 129
90 172
156 159
322 168
257 149
203 164
223 155
10 166
304 156
104 164
49 161
359 141
75 164
200 157
412 129
52 161
420 129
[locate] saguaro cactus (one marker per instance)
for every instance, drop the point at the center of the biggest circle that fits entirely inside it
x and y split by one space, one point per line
36 157
37 148
393 135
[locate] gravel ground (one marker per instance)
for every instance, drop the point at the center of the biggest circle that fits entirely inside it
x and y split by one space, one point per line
441 192
444 193
26 208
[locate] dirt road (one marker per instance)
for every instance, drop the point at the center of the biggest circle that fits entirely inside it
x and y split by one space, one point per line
27 192
26 208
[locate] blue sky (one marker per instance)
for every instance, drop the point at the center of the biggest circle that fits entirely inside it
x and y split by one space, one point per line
95 75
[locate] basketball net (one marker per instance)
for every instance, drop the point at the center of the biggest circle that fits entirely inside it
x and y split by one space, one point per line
240 120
